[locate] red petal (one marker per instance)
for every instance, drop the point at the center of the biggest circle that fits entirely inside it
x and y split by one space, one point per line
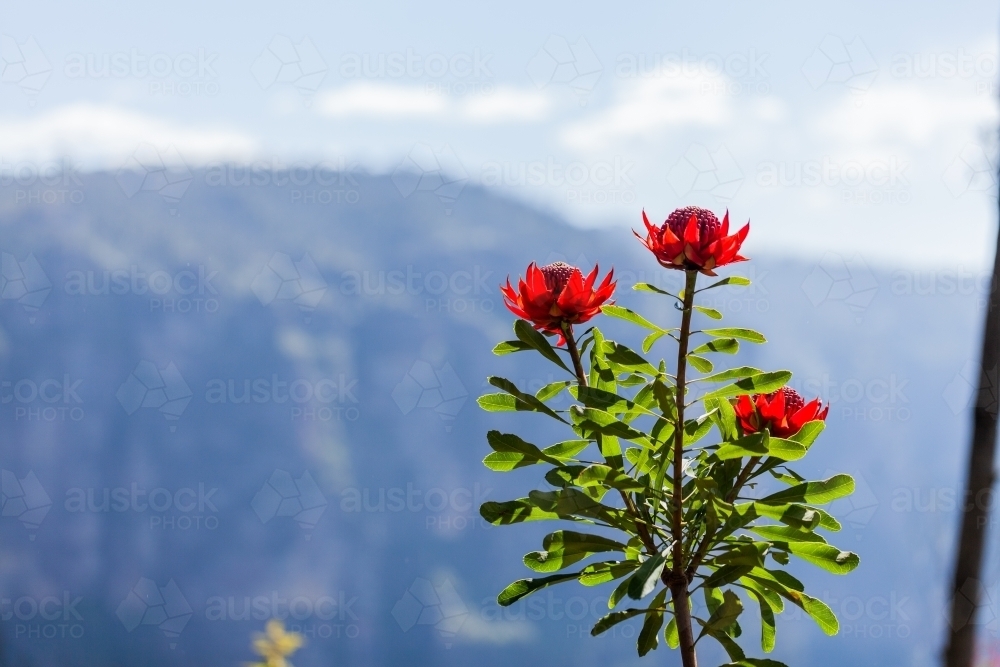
588 285
691 232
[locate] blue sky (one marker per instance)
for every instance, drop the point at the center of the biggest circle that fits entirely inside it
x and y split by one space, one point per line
846 128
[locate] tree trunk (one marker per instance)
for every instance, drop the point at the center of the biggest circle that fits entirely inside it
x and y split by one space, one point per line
965 588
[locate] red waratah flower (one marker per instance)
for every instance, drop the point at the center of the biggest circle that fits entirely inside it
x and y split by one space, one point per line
783 412
693 238
555 294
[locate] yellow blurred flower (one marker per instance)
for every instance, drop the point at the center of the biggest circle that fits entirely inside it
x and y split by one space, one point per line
275 645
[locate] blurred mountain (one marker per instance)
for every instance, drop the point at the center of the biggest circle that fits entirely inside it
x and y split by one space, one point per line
225 396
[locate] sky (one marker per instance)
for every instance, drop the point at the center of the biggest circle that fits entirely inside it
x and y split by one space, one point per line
841 128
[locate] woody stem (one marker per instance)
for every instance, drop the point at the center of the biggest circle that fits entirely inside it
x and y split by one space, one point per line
678 580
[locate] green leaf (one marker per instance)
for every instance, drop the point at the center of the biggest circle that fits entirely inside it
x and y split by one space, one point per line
710 312
767 625
596 574
565 547
732 648
524 587
671 635
650 340
614 618
731 280
755 444
608 401
646 577
773 599
791 589
724 615
723 345
628 360
755 662
727 575
591 421
562 452
497 402
551 390
725 417
529 336
514 511
786 450
630 316
799 516
826 556
762 383
619 593
809 432
524 402
701 363
814 493
787 534
646 287
822 614
735 332
573 504
566 450
732 374
510 346
508 442
608 476
649 635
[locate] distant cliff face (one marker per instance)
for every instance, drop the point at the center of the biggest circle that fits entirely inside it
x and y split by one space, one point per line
230 395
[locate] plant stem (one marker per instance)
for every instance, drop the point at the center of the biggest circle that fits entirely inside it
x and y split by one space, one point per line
574 353
742 478
678 579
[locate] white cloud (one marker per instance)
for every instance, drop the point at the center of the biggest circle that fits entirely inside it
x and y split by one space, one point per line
103 136
910 113
648 105
498 632
507 104
381 100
